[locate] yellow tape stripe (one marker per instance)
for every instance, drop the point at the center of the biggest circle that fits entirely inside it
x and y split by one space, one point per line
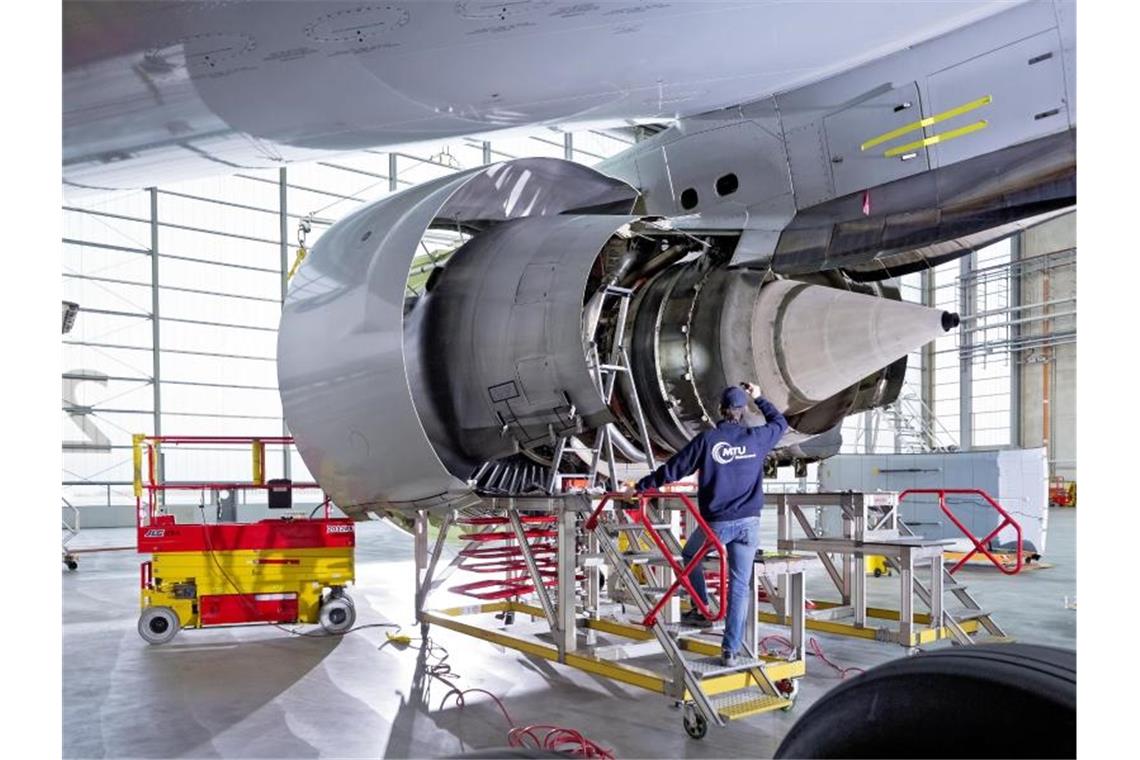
935 139
928 121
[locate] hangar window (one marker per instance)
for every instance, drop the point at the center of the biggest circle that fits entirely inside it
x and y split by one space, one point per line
727 185
689 199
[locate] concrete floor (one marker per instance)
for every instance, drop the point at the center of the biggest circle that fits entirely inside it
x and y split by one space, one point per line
259 692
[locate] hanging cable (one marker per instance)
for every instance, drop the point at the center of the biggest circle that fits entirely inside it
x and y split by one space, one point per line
785 648
568 741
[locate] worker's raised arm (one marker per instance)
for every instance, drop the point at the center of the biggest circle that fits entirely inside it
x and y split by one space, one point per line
775 423
680 465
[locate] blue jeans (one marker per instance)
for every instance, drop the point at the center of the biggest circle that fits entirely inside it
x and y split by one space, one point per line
741 539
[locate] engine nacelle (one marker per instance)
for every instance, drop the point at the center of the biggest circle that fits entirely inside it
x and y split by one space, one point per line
468 388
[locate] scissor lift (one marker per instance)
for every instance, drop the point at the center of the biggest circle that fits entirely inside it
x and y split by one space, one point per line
283 570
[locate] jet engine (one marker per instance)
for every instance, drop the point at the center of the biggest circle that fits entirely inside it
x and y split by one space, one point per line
565 334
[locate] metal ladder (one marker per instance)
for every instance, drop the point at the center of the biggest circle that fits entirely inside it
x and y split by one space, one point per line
952 619
605 378
759 694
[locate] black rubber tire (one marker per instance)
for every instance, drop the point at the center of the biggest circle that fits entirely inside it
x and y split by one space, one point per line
696 728
72 564
158 625
994 700
337 615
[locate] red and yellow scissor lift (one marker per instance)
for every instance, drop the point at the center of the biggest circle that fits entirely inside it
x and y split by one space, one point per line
283 570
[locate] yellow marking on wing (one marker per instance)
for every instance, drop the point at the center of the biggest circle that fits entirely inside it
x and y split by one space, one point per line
928 121
935 139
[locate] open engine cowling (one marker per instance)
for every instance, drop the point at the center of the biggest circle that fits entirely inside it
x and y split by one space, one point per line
467 388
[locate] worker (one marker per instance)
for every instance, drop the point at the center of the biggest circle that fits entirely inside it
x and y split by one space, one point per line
730 493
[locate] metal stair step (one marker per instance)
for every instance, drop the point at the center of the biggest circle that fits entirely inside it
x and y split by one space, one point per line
686 629
995 640
963 615
707 667
638 526
648 558
745 702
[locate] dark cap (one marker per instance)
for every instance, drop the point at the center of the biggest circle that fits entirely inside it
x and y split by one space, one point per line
733 398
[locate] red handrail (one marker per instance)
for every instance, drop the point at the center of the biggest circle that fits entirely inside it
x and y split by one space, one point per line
681 573
979 545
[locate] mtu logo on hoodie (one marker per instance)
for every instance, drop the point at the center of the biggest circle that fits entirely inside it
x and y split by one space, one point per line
724 452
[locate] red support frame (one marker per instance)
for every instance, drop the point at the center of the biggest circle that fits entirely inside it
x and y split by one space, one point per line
979 544
682 573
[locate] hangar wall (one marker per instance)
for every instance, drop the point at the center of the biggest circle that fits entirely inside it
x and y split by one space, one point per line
180 291
1049 369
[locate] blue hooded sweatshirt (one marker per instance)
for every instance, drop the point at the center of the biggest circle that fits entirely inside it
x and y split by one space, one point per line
731 462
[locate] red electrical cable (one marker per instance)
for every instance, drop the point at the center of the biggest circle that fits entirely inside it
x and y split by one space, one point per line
785 648
557 738
817 650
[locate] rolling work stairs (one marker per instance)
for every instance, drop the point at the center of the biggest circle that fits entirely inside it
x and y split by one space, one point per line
917 430
953 619
713 693
912 424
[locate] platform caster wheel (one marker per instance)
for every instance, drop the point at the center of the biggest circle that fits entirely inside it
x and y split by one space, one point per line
337 615
695 724
878 572
157 625
72 564
788 687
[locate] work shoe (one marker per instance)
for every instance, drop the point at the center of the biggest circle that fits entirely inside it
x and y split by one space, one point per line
695 618
728 659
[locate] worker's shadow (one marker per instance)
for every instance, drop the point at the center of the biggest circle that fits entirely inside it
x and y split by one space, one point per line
427 702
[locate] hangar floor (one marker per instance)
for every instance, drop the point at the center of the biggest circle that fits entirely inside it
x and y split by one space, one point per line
259 692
